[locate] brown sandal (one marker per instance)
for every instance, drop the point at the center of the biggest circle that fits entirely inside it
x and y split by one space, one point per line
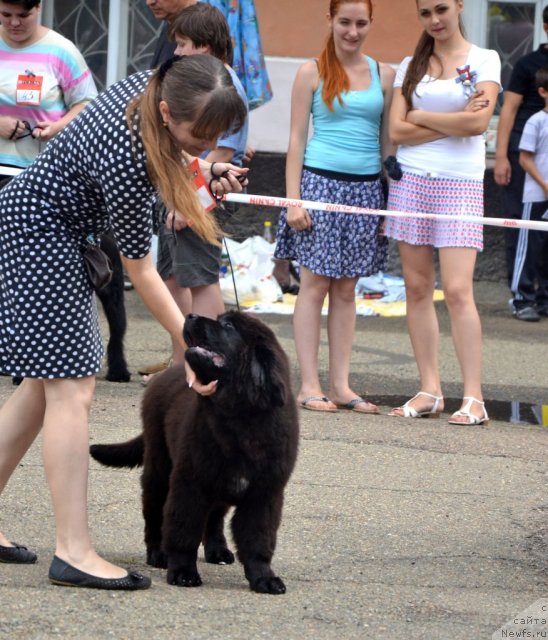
305 404
154 368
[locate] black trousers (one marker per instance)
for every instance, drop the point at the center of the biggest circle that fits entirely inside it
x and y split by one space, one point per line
513 208
530 277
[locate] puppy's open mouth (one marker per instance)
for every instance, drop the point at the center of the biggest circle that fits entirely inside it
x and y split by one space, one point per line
217 359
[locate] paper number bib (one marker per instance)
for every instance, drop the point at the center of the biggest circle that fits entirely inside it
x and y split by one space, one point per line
29 90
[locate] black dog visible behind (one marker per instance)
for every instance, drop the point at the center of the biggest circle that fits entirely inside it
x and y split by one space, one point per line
112 299
202 455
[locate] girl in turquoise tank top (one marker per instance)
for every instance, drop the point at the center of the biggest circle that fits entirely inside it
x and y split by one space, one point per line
347 94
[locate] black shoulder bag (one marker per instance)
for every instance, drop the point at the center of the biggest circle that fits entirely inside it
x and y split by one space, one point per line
98 264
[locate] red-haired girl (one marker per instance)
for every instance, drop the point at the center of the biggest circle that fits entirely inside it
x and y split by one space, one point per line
347 93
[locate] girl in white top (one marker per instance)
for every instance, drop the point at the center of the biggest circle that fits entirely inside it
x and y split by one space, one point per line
444 97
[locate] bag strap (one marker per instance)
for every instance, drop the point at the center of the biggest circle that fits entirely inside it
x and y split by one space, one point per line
93 239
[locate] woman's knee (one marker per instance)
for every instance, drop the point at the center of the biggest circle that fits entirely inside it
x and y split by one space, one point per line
419 289
73 391
343 291
314 288
458 295
32 386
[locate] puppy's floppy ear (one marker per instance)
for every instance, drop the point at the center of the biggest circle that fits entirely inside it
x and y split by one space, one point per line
266 387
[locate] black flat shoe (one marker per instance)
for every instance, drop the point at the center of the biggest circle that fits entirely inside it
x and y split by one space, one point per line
64 574
17 554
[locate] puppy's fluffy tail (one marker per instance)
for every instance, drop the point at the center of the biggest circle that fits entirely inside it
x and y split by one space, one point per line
125 454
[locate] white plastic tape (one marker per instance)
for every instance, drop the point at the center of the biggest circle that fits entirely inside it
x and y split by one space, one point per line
273 201
9 171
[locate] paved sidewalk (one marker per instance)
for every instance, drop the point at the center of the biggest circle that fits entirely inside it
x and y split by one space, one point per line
392 528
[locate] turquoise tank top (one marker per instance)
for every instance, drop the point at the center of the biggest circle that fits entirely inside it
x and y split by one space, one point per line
347 140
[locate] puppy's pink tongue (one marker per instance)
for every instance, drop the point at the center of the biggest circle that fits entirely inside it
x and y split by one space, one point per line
217 358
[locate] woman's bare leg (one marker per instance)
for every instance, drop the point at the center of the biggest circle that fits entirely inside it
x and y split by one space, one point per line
422 322
207 300
457 271
306 327
341 325
66 462
21 419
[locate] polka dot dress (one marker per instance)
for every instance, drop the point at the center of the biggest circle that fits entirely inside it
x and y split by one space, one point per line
90 178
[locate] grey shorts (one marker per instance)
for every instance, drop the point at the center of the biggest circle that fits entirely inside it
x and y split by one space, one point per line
186 256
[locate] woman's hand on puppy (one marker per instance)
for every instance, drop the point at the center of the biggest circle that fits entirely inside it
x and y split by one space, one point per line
199 387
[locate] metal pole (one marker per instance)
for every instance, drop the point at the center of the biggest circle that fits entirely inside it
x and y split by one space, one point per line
117 40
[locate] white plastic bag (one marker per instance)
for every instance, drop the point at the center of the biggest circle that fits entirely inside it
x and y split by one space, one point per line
252 264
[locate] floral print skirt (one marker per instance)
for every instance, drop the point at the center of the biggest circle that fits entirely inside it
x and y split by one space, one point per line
339 244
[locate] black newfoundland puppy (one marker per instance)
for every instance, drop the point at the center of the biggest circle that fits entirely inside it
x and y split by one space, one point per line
202 455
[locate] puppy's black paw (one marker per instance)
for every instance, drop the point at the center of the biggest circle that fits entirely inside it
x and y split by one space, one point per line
184 577
157 558
219 555
268 584
118 375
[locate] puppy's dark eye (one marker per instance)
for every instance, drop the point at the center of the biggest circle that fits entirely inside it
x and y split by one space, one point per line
228 325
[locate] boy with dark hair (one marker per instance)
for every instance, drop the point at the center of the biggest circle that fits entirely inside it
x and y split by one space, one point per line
201 28
206 29
530 278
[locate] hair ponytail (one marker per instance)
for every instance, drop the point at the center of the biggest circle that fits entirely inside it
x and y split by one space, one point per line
418 66
420 62
335 80
197 89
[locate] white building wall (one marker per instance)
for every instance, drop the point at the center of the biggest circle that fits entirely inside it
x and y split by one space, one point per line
269 124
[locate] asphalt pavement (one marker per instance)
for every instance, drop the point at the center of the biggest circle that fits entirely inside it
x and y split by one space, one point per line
392 528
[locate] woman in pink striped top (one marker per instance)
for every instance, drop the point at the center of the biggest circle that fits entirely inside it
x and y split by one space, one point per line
44 82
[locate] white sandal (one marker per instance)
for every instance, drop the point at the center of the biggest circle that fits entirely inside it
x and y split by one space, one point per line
411 412
466 412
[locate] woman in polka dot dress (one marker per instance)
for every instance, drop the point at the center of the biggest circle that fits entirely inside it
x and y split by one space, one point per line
102 171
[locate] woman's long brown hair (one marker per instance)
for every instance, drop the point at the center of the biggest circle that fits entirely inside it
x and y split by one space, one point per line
197 89
419 64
